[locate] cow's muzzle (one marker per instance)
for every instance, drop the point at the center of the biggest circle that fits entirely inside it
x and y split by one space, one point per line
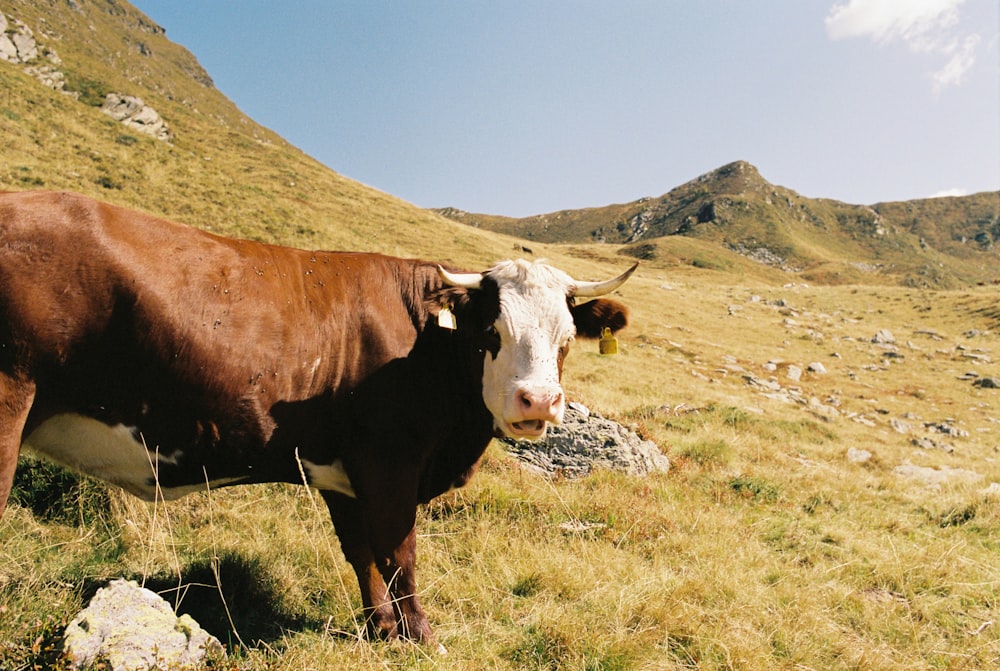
532 411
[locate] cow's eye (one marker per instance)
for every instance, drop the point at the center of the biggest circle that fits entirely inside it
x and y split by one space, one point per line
491 340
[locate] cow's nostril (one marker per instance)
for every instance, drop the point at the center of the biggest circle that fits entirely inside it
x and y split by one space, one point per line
525 398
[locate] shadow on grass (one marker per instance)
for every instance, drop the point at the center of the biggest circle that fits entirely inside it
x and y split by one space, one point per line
249 607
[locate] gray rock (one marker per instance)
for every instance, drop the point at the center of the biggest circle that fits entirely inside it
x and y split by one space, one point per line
935 477
884 337
947 428
18 45
926 443
133 628
856 456
27 48
816 367
759 383
794 373
133 112
900 426
8 52
825 411
49 76
17 42
586 441
987 383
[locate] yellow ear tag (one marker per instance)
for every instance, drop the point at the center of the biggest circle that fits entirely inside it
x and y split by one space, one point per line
446 319
608 343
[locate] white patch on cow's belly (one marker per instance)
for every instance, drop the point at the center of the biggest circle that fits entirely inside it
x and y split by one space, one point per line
110 453
331 477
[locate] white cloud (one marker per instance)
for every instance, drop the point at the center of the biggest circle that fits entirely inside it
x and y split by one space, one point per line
950 192
962 59
924 26
888 20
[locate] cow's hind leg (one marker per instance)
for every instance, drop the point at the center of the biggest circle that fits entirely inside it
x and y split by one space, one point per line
15 401
349 522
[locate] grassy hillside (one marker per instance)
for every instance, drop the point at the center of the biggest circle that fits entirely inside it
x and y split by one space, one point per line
844 517
221 171
942 242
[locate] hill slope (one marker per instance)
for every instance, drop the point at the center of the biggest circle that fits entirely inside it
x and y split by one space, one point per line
936 242
219 170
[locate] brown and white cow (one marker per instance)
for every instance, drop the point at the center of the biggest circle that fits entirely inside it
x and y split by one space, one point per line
165 359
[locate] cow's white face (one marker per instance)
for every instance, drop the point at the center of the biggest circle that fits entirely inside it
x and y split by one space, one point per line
531 337
521 384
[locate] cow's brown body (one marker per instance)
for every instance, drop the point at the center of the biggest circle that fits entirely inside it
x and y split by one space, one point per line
236 362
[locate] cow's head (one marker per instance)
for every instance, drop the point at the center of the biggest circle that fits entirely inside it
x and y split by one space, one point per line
529 317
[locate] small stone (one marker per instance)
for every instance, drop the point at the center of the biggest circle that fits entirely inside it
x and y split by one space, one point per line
816 367
900 426
858 456
884 337
766 385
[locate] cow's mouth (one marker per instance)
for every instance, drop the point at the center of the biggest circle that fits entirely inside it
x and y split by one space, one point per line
529 428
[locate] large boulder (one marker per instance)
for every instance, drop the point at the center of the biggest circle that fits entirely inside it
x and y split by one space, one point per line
135 113
131 628
17 43
585 441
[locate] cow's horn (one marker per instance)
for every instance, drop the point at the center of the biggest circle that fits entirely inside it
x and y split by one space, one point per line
592 289
462 280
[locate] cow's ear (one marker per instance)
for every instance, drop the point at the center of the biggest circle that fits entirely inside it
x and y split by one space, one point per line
453 297
473 308
594 316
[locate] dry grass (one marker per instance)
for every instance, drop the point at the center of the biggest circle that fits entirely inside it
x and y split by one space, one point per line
764 548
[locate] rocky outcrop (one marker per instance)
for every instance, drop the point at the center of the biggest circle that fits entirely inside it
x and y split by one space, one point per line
586 441
17 43
133 628
136 114
18 46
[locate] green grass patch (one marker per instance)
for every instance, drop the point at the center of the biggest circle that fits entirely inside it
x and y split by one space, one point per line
56 494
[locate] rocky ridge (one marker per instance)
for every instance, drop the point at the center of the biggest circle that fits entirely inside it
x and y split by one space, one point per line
940 242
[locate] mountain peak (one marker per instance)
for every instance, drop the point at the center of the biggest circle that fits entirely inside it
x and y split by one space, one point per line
734 178
918 242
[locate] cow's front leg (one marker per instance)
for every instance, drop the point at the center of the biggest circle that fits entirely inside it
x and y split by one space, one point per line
397 562
349 523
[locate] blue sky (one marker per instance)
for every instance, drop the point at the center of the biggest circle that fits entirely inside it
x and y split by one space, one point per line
519 108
